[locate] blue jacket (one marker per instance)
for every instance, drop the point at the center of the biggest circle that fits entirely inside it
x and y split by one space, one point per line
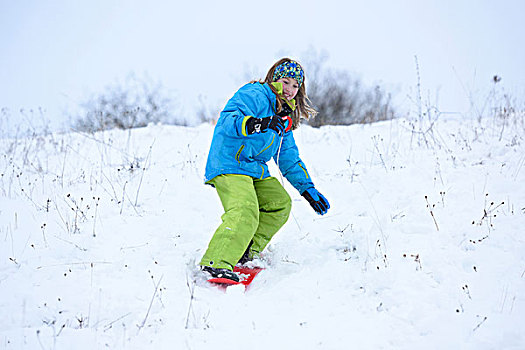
233 153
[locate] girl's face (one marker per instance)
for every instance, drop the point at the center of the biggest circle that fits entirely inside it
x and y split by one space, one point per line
290 87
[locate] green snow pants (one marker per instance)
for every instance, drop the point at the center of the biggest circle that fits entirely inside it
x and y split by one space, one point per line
254 210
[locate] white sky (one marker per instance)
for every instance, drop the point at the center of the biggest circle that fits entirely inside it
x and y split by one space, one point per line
55 53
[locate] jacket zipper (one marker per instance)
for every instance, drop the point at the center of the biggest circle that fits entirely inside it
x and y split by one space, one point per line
270 145
239 154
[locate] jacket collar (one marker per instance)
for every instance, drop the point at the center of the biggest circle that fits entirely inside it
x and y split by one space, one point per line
279 88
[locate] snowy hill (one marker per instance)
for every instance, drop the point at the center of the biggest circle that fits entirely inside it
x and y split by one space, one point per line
423 246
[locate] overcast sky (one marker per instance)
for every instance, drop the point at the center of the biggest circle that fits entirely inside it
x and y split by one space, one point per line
55 53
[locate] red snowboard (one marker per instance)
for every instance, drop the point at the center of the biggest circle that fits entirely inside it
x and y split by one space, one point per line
246 276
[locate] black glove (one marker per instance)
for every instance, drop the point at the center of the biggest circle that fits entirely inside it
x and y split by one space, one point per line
258 125
316 200
286 110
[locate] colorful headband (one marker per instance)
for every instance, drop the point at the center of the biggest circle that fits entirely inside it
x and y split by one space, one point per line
289 69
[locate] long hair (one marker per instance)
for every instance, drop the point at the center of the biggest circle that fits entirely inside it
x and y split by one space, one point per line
303 104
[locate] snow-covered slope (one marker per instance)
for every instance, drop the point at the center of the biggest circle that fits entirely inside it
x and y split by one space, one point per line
423 246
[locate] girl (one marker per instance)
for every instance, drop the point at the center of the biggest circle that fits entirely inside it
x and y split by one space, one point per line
255 126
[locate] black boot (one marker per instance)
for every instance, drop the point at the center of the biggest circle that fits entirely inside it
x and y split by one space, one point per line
221 273
246 256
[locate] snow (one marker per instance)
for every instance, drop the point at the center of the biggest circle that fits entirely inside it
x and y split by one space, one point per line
423 245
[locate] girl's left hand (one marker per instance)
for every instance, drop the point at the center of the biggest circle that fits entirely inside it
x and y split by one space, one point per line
316 200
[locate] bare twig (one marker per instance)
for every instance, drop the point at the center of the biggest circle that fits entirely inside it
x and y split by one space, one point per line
123 195
95 216
73 244
143 171
74 263
110 325
191 288
341 230
374 138
479 324
382 253
150 304
467 291
431 212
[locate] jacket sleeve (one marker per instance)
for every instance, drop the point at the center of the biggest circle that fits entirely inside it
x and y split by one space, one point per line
291 165
247 102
